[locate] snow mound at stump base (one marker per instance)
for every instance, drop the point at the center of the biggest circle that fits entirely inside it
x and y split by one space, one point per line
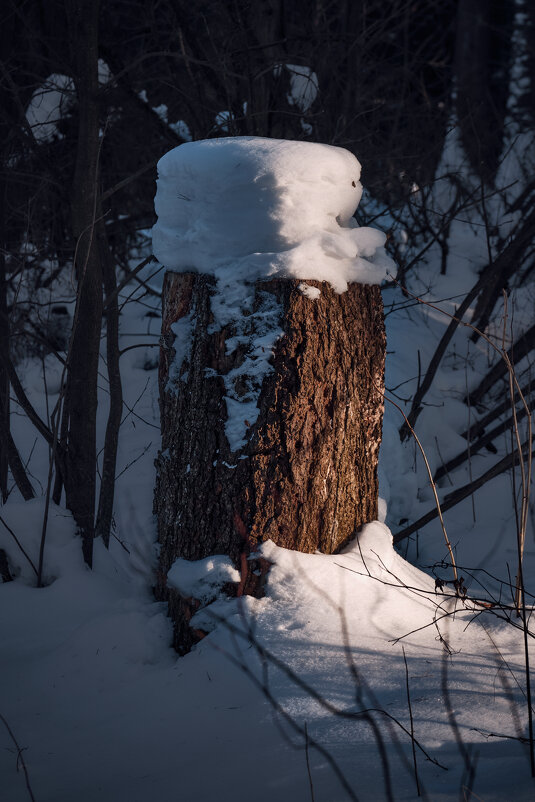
252 208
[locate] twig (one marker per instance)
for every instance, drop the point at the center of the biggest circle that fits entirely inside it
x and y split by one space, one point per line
480 605
19 544
477 445
500 735
131 273
458 495
478 427
444 466
132 462
128 180
438 510
20 758
439 352
138 345
23 399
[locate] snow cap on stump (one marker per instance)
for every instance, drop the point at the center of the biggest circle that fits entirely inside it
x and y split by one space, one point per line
253 208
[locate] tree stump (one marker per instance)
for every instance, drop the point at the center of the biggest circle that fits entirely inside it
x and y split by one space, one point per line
304 473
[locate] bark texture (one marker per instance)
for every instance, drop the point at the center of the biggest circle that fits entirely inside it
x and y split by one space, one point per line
307 476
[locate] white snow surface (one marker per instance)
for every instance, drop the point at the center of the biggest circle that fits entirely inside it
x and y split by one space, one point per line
47 106
249 208
309 292
257 331
105 710
303 85
52 100
202 579
182 331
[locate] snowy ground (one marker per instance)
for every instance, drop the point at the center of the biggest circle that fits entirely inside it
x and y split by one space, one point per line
301 695
105 711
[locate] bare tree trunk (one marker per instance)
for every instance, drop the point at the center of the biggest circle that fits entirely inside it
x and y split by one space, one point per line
9 455
482 55
80 464
306 475
4 378
107 482
13 459
5 573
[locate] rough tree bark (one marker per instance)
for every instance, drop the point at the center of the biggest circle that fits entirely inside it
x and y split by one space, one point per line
306 477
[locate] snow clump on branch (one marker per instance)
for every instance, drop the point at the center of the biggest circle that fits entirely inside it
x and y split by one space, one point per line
248 208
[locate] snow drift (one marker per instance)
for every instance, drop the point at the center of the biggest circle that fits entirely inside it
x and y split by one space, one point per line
251 208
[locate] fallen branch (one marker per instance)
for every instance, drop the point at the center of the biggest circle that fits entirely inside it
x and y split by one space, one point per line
19 544
24 401
477 446
13 457
452 499
478 427
436 359
130 275
518 351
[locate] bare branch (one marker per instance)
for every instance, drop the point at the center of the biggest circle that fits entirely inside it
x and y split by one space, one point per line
459 495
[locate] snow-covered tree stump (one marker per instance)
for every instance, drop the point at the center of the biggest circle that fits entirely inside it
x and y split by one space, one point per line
271 389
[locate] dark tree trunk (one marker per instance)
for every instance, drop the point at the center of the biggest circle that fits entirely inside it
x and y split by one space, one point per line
5 573
14 461
306 477
107 482
482 60
4 378
9 455
80 463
